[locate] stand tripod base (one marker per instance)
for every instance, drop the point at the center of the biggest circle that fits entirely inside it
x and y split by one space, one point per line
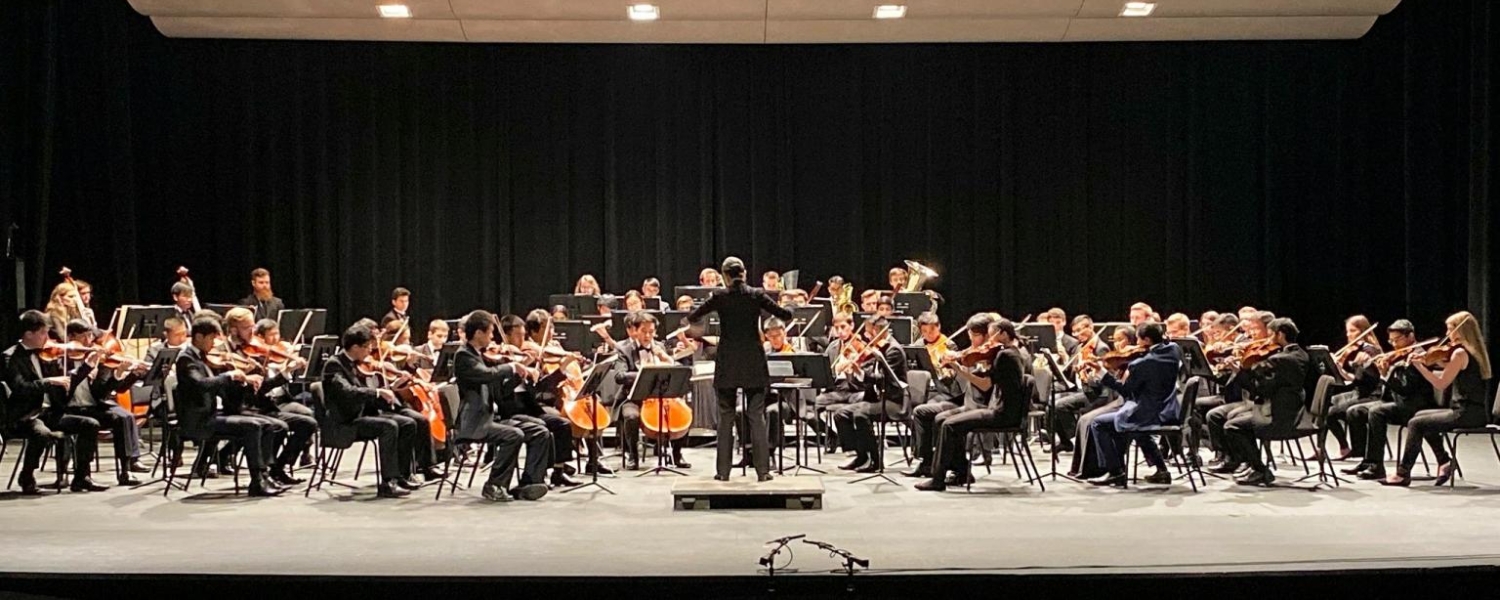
877 475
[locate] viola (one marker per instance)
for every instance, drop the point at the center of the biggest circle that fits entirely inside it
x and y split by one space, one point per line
1389 360
982 354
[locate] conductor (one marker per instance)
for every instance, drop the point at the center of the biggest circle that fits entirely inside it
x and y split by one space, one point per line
741 363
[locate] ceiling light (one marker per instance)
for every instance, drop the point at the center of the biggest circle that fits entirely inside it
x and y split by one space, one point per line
644 12
395 11
890 11
1138 9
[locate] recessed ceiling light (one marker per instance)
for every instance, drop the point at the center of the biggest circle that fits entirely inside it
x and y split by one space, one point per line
890 11
644 12
395 11
1138 9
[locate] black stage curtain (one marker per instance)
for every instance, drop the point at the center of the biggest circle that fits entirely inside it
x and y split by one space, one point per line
1316 179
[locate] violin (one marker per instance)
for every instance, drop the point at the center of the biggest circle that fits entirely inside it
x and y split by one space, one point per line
1389 360
221 359
54 351
1439 354
279 353
1115 360
1257 351
858 350
982 354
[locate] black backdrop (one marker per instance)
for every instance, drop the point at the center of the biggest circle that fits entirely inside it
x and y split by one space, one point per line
1316 179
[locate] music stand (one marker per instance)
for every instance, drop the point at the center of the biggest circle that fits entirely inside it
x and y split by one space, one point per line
574 336
590 390
661 382
319 350
911 304
698 293
816 374
917 357
902 329
442 366
808 322
154 379
563 300
670 320
144 322
654 303
1057 375
300 324
1044 335
1194 361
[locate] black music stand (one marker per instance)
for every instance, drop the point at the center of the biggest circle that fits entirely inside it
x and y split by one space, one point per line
808 322
562 300
145 322
670 320
917 357
319 350
581 304
1194 361
1043 335
890 374
661 382
297 325
574 336
442 366
816 373
1058 374
903 329
155 379
698 293
590 390
911 304
653 303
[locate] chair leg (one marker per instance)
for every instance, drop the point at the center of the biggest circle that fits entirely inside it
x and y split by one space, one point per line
1458 469
359 466
317 468
25 442
1030 460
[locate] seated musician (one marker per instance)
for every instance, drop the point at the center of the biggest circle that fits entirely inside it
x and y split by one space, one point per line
539 336
641 348
1149 391
869 300
1404 393
943 400
897 277
1280 381
945 386
999 388
96 400
424 357
480 387
882 373
771 281
1255 329
587 286
1059 320
35 408
197 398
651 288
1086 463
520 404
1178 326
400 307
845 389
1070 405
1357 370
634 301
1206 322
422 446
710 277
683 302
349 401
1462 379
267 400
1140 313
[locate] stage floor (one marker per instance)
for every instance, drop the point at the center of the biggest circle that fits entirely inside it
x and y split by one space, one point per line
1004 526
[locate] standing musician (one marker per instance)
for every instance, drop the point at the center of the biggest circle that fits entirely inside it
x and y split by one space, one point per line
350 402
1403 394
95 399
268 400
35 408
198 390
999 387
641 348
924 417
845 389
182 299
1356 366
480 386
741 363
881 367
267 305
1149 390
1280 380
1465 369
539 340
400 304
522 405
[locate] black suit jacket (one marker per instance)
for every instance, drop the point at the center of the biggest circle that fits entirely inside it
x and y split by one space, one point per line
629 360
27 390
740 362
197 393
392 316
1281 379
345 396
264 309
1009 393
479 387
882 381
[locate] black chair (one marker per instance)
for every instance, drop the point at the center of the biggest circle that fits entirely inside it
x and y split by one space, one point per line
1013 442
1312 421
333 440
1490 430
174 441
1186 460
918 389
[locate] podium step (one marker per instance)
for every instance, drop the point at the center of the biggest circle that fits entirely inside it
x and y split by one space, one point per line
782 493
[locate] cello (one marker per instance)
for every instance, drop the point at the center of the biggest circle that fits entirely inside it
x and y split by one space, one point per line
664 418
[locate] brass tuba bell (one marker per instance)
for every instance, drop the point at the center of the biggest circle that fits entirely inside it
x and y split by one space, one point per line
917 276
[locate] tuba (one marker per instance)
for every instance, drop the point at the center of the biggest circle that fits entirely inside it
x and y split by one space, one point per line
844 300
919 275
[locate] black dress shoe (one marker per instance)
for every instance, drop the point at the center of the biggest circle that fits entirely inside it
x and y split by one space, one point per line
431 474
1372 474
407 483
388 490
568 469
632 463
681 464
1445 473
264 490
1254 477
920 471
718 477
1160 477
227 470
135 466
280 476
1112 479
956 479
1226 468
858 463
85 484
561 479
126 480
764 477
931 486
597 468
529 491
1356 469
29 487
871 468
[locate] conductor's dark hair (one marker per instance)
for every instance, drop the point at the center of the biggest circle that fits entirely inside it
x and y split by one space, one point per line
477 321
1150 331
356 335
